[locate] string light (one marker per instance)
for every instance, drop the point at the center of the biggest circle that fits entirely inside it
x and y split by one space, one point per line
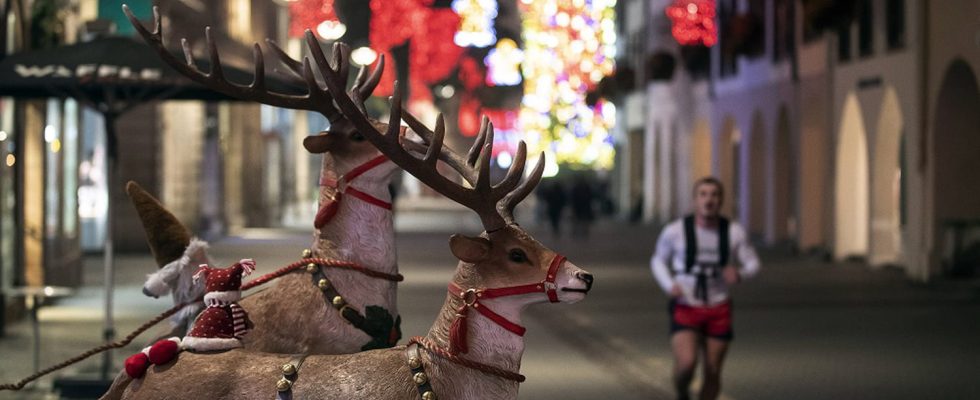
476 29
693 22
569 48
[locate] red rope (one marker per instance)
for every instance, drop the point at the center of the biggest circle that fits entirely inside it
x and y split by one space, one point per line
173 310
432 348
323 262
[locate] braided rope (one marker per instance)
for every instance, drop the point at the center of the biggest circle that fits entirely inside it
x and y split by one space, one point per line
173 310
114 345
323 262
489 369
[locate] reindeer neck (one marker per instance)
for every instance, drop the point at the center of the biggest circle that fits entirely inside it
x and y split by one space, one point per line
488 343
360 232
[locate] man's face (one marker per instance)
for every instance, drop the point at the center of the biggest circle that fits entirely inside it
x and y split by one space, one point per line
707 200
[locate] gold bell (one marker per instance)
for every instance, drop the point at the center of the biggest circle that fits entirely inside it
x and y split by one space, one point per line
311 268
420 378
414 362
323 284
337 300
428 395
288 369
284 385
307 253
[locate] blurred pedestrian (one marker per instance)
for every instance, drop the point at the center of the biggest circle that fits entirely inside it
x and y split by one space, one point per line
695 263
583 213
555 200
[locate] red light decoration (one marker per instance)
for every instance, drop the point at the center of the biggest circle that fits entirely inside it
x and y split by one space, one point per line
434 54
395 21
308 14
470 74
469 116
693 22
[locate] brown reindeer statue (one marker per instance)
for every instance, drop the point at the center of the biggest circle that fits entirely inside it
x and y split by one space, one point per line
325 310
473 349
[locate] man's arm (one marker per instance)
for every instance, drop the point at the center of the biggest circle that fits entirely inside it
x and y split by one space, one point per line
745 253
660 262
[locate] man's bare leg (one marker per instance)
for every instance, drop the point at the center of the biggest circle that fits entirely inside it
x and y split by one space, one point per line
684 344
715 350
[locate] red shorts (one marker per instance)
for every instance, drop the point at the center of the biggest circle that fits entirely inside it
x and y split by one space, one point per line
714 321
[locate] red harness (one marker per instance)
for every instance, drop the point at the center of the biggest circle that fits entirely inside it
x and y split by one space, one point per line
330 207
471 300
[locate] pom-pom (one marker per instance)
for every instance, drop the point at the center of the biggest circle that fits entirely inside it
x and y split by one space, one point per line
136 365
164 351
202 270
248 265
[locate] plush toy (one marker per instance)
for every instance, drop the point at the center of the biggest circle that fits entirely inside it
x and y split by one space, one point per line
223 323
177 254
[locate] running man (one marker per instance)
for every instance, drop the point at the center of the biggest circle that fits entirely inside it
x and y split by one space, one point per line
695 263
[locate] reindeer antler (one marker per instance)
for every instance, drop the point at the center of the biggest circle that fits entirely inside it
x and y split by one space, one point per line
493 203
316 99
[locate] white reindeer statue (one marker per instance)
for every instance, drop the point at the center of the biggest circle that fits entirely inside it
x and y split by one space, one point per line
325 310
474 347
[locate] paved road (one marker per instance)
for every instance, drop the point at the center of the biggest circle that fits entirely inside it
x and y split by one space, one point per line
805 329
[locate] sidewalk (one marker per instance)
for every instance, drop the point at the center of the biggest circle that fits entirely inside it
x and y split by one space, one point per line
806 329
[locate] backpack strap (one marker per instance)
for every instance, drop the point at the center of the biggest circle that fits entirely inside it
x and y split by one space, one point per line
690 244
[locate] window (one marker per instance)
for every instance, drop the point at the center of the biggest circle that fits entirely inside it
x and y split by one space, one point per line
844 42
865 29
895 24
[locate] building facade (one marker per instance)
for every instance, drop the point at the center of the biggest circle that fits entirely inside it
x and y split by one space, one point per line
836 126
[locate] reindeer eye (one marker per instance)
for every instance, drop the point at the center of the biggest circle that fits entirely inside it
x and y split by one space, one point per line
357 136
518 256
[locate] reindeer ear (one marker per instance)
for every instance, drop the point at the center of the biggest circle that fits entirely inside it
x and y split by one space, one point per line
469 249
320 143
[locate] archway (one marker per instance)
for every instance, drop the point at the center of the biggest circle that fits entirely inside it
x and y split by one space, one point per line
851 184
700 165
728 158
758 168
956 134
886 174
784 194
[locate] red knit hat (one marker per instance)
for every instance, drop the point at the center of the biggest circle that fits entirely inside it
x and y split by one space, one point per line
223 285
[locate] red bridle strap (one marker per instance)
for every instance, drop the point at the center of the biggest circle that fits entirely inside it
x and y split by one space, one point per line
471 300
329 208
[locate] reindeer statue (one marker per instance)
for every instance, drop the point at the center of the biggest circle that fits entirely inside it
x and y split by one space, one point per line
326 310
500 272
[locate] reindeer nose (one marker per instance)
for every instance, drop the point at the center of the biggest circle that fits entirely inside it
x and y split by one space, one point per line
587 277
148 293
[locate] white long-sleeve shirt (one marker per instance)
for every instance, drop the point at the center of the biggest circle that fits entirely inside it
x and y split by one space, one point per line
669 266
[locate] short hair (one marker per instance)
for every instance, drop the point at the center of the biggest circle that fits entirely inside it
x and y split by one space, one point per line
709 180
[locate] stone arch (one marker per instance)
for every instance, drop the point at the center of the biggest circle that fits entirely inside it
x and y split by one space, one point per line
700 165
956 137
758 153
784 171
886 175
851 213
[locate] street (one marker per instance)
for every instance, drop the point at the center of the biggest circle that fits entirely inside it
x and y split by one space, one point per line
805 328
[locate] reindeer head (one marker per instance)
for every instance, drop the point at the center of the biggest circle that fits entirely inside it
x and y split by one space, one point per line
505 253
510 257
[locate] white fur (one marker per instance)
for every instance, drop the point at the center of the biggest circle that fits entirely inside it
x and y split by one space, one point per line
178 276
222 298
209 344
